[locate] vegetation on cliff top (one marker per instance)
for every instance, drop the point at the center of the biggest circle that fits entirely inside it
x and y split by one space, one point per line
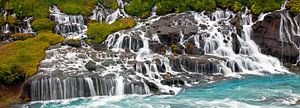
20 59
97 32
40 8
142 8
294 6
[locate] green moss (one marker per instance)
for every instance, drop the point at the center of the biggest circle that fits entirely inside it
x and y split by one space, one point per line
97 32
42 24
2 21
237 6
23 8
142 8
11 20
139 8
40 8
294 6
83 7
21 58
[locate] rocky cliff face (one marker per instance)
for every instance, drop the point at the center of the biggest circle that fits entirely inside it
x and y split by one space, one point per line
278 35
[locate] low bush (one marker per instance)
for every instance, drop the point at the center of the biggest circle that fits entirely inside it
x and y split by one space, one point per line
97 32
294 6
42 24
20 59
11 20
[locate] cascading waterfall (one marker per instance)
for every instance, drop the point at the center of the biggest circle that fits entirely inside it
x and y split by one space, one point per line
102 14
289 30
143 61
119 86
69 26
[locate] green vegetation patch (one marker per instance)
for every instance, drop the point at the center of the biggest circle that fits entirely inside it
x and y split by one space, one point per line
83 7
23 8
40 8
294 6
20 59
42 24
97 32
142 8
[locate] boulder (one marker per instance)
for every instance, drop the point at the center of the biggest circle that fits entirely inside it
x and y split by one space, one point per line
73 42
91 66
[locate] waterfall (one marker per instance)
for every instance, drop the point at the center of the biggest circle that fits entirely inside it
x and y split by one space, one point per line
289 30
102 14
119 86
91 86
160 55
69 26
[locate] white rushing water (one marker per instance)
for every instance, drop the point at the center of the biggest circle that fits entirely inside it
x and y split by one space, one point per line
128 63
69 26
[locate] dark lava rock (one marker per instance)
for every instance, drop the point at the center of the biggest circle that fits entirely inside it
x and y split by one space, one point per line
266 36
91 65
73 42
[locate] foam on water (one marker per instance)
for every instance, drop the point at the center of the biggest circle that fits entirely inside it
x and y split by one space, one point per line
280 91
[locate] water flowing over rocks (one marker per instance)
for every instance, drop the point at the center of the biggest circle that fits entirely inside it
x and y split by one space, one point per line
160 55
278 35
20 26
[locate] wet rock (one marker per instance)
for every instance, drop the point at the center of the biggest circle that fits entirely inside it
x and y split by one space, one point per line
235 43
73 42
91 65
266 35
153 87
170 28
173 81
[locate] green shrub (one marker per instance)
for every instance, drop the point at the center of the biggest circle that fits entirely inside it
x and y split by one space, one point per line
165 7
83 7
21 58
294 6
97 32
11 20
2 21
139 8
23 8
237 6
42 24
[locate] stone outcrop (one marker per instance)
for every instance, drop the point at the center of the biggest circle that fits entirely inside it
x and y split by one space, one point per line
266 35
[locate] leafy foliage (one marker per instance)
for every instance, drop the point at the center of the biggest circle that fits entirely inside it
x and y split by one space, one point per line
97 32
21 58
139 8
42 24
142 8
294 6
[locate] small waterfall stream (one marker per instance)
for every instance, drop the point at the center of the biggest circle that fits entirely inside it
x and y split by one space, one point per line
146 59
